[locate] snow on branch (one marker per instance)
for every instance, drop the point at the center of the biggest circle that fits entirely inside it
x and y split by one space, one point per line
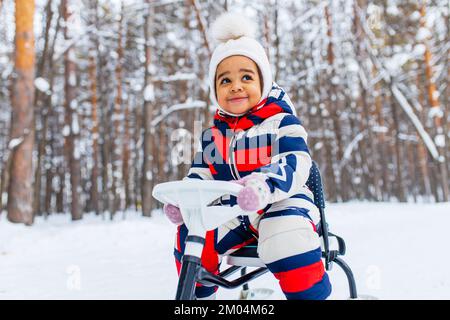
311 12
176 77
176 107
70 43
401 99
351 146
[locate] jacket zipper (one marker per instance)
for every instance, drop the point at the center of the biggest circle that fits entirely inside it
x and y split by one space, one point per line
234 171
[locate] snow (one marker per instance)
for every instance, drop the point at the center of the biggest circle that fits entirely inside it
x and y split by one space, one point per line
72 79
177 77
66 131
42 84
14 143
419 49
394 64
393 10
439 140
149 93
435 112
395 252
75 124
423 34
415 16
351 146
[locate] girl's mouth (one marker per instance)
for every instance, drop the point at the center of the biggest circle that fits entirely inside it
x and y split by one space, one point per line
237 100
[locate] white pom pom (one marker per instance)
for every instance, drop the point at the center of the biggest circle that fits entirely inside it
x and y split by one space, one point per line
232 25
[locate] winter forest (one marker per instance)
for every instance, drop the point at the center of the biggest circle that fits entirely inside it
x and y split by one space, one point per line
102 99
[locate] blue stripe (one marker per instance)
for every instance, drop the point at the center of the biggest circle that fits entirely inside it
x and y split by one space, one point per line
233 238
182 234
289 166
303 196
293 211
291 144
177 255
194 176
320 291
289 120
229 202
295 262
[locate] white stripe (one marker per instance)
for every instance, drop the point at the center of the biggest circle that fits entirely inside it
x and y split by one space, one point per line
301 155
193 249
293 130
285 236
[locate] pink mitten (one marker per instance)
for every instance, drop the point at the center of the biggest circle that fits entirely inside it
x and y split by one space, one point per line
173 213
255 194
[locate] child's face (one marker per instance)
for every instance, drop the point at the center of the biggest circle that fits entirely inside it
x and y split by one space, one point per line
238 86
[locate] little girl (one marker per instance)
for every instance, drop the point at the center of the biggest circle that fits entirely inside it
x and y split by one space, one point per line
258 142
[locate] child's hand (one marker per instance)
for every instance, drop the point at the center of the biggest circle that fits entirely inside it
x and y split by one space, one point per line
255 194
173 213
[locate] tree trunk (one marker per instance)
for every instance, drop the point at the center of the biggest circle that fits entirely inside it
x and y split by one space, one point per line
71 118
204 96
94 194
342 178
382 150
40 111
433 98
147 170
126 155
20 194
398 151
117 142
421 149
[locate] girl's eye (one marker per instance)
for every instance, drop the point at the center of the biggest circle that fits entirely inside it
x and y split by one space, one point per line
224 80
247 77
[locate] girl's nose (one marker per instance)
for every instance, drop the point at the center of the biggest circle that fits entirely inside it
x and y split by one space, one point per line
236 87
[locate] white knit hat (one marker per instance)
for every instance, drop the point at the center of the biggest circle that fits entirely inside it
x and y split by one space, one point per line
236 36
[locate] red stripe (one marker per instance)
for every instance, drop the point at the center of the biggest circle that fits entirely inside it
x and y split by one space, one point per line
252 159
178 238
212 169
210 258
253 229
243 123
314 226
178 264
302 278
268 111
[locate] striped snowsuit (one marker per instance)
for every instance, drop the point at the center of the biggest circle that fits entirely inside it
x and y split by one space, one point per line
271 141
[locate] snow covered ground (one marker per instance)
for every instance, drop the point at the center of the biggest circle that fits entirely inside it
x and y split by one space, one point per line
396 251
